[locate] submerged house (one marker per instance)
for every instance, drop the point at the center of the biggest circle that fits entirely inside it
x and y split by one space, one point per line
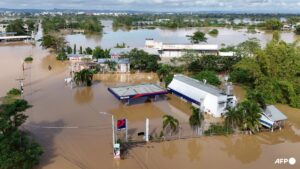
272 118
117 65
208 98
79 57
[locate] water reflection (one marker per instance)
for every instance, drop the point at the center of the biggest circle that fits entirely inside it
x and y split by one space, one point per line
169 149
136 37
194 150
83 95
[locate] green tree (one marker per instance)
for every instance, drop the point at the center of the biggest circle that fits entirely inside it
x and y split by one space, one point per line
80 50
111 65
196 119
98 52
250 115
142 61
88 51
297 30
16 26
198 37
52 41
248 48
17 150
233 117
69 50
83 77
74 49
213 32
209 76
273 24
169 122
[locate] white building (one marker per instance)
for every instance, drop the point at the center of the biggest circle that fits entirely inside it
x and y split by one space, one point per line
208 98
79 57
177 50
3 27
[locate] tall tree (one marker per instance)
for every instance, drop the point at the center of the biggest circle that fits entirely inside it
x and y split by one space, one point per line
196 119
17 149
198 37
169 122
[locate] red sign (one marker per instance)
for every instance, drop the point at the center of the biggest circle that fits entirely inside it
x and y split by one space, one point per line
121 124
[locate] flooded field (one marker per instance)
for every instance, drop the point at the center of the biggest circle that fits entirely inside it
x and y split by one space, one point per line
75 133
136 38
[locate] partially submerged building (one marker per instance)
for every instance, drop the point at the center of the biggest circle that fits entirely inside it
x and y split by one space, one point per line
131 92
177 50
79 57
272 118
208 98
117 65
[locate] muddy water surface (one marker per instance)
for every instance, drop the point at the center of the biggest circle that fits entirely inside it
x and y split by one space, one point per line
69 124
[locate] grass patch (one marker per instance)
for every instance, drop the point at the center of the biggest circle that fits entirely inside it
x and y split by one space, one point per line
218 129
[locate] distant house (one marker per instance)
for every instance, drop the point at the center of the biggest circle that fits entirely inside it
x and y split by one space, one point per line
286 27
79 57
178 50
272 118
227 54
208 98
121 65
3 27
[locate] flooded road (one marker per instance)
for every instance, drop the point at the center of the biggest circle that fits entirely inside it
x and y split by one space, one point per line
68 123
136 38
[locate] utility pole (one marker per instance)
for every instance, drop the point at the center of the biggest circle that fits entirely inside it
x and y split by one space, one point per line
147 130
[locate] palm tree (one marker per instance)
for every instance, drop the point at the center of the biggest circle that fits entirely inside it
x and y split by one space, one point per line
83 77
170 122
111 65
233 117
196 119
250 113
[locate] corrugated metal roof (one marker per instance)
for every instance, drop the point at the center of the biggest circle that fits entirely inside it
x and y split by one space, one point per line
118 61
199 85
274 114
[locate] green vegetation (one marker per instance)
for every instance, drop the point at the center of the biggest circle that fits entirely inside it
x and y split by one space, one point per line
213 32
52 41
297 30
209 76
196 119
142 61
62 55
122 45
245 116
273 72
273 24
21 27
111 65
198 37
218 129
14 92
17 149
170 123
84 77
98 52
28 59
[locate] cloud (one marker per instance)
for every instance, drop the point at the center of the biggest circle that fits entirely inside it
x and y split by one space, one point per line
159 5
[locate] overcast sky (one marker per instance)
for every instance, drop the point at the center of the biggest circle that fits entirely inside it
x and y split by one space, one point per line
285 6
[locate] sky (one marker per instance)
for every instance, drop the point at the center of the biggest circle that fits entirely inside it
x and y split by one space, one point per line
274 6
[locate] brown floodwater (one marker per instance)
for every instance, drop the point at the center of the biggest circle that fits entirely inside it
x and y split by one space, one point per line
68 123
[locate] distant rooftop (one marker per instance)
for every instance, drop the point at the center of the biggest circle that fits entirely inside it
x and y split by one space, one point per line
274 114
136 91
119 61
199 84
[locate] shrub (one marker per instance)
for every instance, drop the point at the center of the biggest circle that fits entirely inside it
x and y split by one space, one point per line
218 129
14 92
28 59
